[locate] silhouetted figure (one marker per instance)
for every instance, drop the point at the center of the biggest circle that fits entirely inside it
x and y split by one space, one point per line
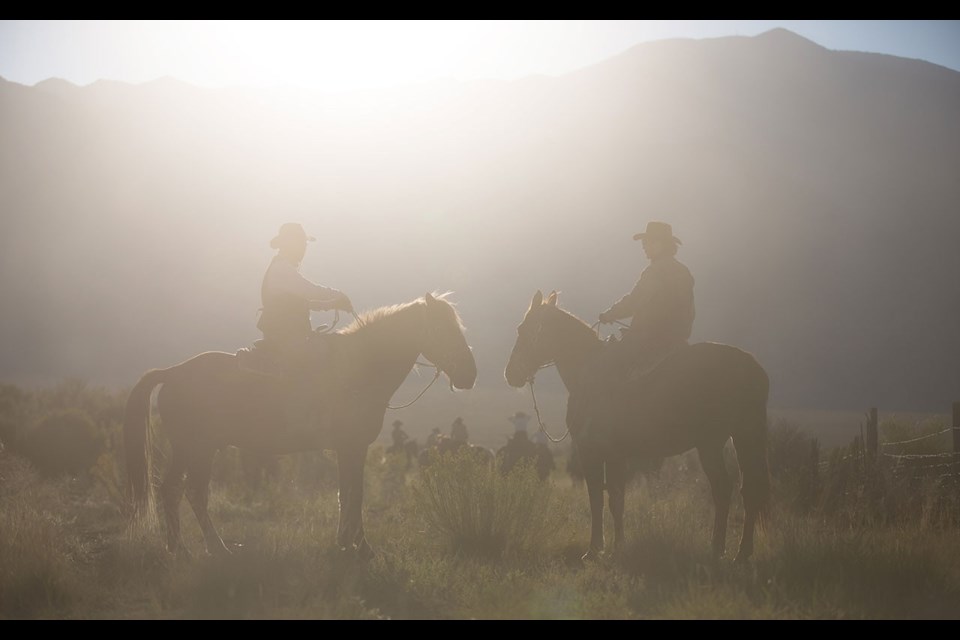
402 443
519 446
447 444
288 298
288 337
398 435
545 463
519 420
458 431
660 305
432 438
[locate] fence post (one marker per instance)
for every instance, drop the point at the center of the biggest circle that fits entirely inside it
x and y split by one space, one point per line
956 427
873 437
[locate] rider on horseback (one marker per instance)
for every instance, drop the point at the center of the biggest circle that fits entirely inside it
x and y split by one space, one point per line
399 436
287 299
661 305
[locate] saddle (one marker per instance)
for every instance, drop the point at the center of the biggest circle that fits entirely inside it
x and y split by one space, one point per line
266 359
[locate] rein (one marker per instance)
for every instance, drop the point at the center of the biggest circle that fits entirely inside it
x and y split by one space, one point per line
429 384
536 409
596 327
325 329
420 395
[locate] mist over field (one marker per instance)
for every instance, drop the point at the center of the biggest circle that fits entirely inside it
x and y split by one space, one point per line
815 192
813 473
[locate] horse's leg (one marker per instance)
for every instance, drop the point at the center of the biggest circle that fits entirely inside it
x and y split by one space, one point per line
360 537
199 467
171 492
754 487
350 463
616 490
592 466
711 459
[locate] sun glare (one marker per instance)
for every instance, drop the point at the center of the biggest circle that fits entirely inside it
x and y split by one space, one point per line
336 56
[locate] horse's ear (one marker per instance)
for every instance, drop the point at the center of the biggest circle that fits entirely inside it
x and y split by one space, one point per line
537 299
552 300
429 299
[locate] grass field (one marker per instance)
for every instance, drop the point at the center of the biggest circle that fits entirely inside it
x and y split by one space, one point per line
843 540
67 552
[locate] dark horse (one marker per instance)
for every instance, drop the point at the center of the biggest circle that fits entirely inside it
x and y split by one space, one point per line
698 397
207 403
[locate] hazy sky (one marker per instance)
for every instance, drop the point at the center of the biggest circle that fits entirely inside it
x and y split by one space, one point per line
333 56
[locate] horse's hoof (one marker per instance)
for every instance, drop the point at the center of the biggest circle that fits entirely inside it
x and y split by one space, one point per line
591 555
180 552
364 550
741 558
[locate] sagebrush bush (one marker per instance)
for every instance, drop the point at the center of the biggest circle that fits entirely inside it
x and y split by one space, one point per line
794 457
65 441
482 512
37 576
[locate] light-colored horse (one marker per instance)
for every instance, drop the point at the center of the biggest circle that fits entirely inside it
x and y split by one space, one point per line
207 402
698 397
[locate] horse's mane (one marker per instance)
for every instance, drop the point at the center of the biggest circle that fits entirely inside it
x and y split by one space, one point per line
375 316
571 315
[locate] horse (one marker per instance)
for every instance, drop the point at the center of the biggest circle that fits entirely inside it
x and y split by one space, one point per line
446 444
207 402
409 449
698 397
519 449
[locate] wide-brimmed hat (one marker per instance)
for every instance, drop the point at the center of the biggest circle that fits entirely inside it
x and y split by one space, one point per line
519 420
657 231
290 232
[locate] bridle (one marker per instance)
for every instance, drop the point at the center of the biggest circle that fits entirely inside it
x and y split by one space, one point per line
550 363
427 334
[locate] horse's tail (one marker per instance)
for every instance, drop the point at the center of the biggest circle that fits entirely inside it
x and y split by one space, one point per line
762 473
136 440
763 480
751 445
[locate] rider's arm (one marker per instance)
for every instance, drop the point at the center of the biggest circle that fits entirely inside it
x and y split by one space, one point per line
286 278
639 297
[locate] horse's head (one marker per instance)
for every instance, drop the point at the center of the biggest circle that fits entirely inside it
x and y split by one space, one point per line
444 344
536 340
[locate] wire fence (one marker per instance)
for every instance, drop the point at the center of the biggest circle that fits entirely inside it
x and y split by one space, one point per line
868 453
920 438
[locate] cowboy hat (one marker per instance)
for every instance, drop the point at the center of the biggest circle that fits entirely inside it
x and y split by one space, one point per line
657 231
290 232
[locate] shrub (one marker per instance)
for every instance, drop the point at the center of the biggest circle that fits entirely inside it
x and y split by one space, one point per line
482 512
36 574
65 441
